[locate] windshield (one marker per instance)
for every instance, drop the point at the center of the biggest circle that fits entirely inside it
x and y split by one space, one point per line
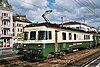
32 35
42 35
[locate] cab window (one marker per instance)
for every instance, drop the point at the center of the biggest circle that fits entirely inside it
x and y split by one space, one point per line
25 35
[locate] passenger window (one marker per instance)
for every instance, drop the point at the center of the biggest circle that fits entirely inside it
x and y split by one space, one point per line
25 35
49 35
63 36
32 35
42 35
74 36
70 36
86 37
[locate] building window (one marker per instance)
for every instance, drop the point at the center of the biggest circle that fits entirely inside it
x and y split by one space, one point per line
5 23
13 24
4 40
1 42
13 29
5 14
13 34
4 32
8 40
70 36
63 36
2 14
20 35
2 22
18 29
17 24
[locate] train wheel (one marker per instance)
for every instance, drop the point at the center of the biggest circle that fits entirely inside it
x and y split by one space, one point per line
62 55
49 56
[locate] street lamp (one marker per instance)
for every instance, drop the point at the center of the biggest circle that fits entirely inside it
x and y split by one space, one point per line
44 15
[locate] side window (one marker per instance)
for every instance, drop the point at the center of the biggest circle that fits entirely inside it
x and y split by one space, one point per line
49 35
86 37
25 35
74 36
70 36
63 36
32 35
42 35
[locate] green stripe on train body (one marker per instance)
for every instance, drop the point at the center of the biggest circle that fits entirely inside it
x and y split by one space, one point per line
46 48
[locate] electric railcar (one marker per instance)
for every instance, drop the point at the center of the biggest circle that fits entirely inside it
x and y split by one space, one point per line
43 39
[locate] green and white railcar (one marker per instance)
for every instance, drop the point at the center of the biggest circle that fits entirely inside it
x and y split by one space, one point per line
42 39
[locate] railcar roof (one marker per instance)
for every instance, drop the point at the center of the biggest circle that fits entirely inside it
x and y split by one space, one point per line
53 26
44 24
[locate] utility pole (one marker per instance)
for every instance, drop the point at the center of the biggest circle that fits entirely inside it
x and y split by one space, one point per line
62 21
84 19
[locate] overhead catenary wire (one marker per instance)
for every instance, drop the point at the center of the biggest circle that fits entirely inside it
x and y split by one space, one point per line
93 3
85 5
80 3
68 10
31 4
19 12
94 7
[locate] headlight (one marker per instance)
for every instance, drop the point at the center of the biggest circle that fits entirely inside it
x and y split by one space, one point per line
25 50
39 45
39 50
24 45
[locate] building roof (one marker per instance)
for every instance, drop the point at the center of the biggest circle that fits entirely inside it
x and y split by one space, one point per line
21 18
44 24
74 23
6 3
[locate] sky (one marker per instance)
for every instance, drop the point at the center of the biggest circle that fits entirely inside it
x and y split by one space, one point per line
84 11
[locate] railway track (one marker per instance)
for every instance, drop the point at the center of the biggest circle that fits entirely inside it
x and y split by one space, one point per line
85 60
80 62
76 59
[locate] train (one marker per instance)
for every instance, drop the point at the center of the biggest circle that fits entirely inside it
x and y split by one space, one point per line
45 40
